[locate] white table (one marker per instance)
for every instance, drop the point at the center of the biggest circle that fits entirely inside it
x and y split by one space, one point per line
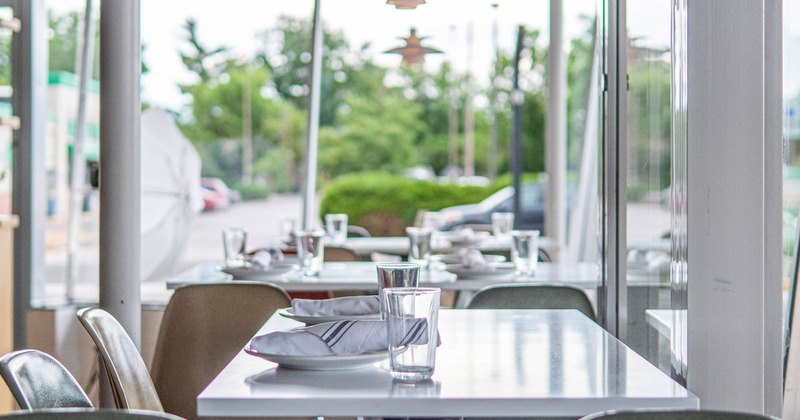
399 245
492 363
338 276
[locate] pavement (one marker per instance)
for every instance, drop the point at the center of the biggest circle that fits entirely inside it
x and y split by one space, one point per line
204 243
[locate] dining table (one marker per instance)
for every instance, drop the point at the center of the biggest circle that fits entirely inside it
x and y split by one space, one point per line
362 276
490 363
364 247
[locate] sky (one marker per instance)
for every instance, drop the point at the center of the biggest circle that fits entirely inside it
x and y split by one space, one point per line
235 23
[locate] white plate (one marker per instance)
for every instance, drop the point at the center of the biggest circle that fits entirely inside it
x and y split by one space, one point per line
332 362
497 270
462 238
247 273
312 320
456 259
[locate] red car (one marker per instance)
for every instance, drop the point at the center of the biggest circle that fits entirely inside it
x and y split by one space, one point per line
216 195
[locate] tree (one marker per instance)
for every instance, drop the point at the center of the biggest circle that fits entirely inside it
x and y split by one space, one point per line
207 63
375 134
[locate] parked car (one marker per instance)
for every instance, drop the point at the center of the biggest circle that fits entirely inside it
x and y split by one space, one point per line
216 194
532 208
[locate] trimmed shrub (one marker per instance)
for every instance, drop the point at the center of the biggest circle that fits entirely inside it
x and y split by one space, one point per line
386 204
252 191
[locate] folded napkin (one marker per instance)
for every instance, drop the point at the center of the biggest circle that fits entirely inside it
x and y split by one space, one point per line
473 258
348 305
262 258
343 338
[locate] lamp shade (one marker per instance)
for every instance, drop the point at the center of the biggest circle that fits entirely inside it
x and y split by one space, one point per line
413 52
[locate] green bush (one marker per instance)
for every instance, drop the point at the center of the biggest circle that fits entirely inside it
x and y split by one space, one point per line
252 191
386 204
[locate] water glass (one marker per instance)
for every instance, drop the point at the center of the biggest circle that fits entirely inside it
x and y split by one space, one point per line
406 310
310 251
420 245
502 224
525 251
391 275
336 225
287 227
234 241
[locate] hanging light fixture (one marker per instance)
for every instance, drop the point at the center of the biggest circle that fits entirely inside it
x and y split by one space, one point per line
413 52
405 4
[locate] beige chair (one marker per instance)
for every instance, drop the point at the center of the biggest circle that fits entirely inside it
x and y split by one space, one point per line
127 372
39 381
204 327
89 414
337 253
532 296
675 415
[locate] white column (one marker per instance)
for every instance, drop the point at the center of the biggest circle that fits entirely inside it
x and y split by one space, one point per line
734 204
120 164
310 193
555 131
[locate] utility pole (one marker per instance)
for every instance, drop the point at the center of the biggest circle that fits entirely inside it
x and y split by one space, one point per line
493 133
517 99
452 119
469 115
247 130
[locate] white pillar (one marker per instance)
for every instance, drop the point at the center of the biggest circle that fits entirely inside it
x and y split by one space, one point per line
120 164
555 132
310 193
734 173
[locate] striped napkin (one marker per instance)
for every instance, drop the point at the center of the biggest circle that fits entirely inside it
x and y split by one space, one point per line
343 338
347 305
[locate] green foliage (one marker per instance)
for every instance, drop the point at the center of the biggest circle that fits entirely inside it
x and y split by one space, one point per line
394 199
374 134
252 191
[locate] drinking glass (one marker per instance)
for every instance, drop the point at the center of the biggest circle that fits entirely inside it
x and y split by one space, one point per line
336 225
310 251
419 245
391 275
502 224
525 251
287 227
406 310
234 241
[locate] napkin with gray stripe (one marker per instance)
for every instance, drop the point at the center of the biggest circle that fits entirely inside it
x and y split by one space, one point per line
343 338
341 306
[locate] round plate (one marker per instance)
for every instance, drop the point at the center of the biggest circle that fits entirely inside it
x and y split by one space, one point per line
497 270
313 320
456 259
247 273
459 238
332 362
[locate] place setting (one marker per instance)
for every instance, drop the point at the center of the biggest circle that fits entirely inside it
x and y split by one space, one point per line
260 264
471 264
353 332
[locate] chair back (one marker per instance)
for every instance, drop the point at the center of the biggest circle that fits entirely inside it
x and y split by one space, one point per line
675 415
204 327
337 253
532 296
127 372
89 414
39 381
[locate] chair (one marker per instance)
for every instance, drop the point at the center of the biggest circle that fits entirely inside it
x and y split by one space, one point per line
532 296
204 327
337 253
127 372
89 414
357 232
675 415
39 381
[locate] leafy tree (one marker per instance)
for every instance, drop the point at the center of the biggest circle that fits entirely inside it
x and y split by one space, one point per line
375 134
205 62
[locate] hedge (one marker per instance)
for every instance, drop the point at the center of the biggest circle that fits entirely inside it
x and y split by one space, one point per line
386 204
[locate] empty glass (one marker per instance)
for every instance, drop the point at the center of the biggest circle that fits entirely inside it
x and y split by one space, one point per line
287 228
525 251
502 224
336 225
310 251
420 239
412 312
400 274
234 241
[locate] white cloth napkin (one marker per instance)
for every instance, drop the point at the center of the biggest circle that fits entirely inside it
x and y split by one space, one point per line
473 258
343 338
348 305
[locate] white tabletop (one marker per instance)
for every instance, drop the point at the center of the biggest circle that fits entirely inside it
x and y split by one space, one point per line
399 245
494 363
